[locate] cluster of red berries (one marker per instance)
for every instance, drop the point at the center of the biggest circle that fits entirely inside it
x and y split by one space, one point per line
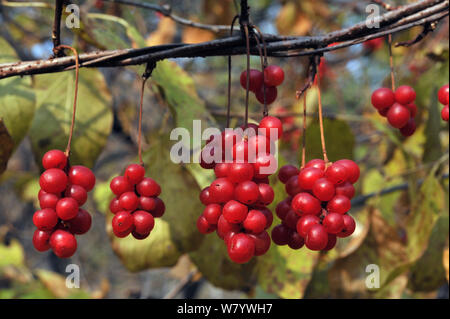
398 107
63 191
236 202
136 204
443 99
272 77
315 212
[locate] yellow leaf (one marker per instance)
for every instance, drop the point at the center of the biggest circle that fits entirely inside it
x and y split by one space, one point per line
164 33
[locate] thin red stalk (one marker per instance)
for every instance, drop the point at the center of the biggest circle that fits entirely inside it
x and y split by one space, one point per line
322 135
391 61
247 91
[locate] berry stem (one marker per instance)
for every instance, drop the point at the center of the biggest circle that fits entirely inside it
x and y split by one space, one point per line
264 65
304 132
229 75
247 91
322 135
74 109
391 61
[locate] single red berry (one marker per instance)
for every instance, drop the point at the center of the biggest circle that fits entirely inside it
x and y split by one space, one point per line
45 219
308 176
212 213
265 165
120 185
292 187
63 243
67 208
78 193
129 201
281 235
305 223
53 180
443 95
203 226
384 112
331 242
266 194
241 248
134 173
221 169
383 98
221 191
83 176
339 204
54 159
306 204
143 222
337 174
444 113
296 241
81 223
352 169
398 115
255 81
349 226
240 172
224 227
412 109
317 163
148 188
273 75
291 220
147 203
247 192
205 196
405 95
283 208
114 205
138 236
207 156
122 223
317 238
160 208
269 216
41 240
346 189
409 128
333 223
286 172
262 243
255 222
323 189
234 212
230 235
48 200
271 93
271 127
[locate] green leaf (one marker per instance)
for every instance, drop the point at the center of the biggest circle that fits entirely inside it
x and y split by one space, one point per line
6 146
12 254
17 99
51 125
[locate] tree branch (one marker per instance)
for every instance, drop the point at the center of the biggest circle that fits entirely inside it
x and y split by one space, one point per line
56 30
406 17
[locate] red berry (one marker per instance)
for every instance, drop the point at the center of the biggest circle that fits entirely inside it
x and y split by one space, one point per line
346 189
207 157
286 172
78 193
255 222
291 220
265 165
240 172
234 212
443 95
54 159
247 192
271 127
45 219
129 201
271 95
241 248
409 128
331 242
134 173
83 176
323 189
317 163
205 196
203 226
349 226
221 169
283 208
53 181
260 145
412 109
212 213
143 222
444 113
120 185
292 187
398 115
240 152
383 98
138 236
333 223
339 204
81 223
273 75
221 191
122 223
281 235
114 205
337 174
352 169
405 95
48 200
67 208
295 241
262 243
148 188
63 243
160 208
308 176
384 112
147 203
266 194
224 227
255 81
306 204
269 217
305 223
41 240
317 238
